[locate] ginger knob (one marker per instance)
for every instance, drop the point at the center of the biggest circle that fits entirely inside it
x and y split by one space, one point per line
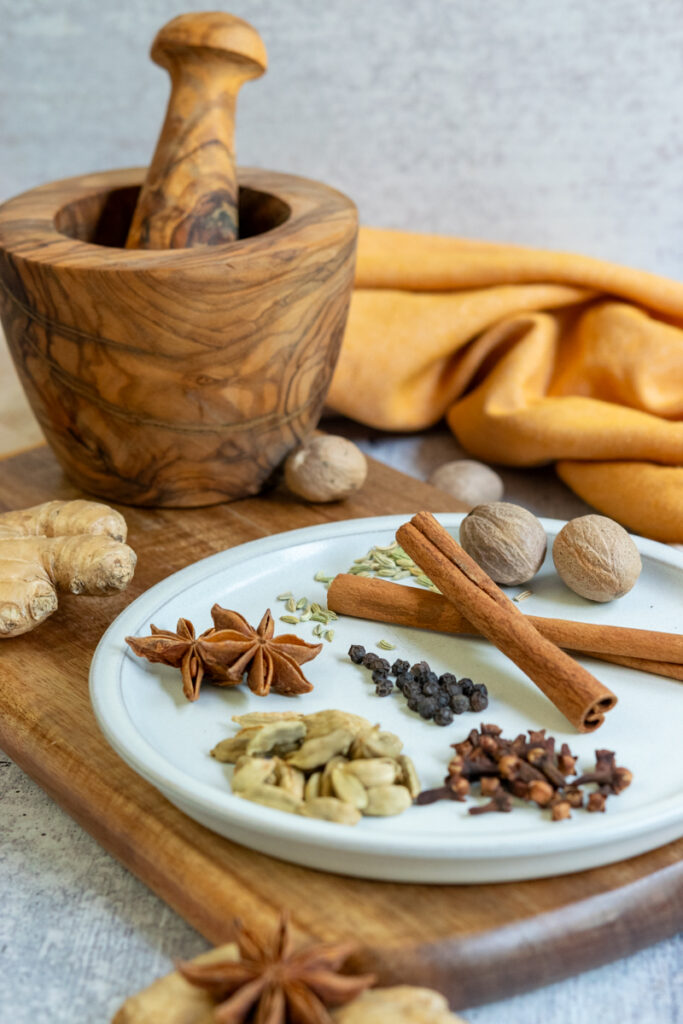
506 540
596 558
326 468
70 546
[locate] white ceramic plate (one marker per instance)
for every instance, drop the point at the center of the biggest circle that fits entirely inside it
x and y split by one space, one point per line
143 714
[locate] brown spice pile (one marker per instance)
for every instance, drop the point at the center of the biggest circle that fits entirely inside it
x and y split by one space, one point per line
530 769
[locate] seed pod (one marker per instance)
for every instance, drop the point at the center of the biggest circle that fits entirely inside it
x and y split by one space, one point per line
326 788
409 777
316 752
329 808
229 750
384 801
290 779
312 787
273 796
322 722
374 743
374 771
266 717
252 771
349 788
276 734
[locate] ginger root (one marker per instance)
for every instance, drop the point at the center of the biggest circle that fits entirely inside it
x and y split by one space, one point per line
69 546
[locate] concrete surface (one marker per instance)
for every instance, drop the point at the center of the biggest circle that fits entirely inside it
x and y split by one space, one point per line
557 125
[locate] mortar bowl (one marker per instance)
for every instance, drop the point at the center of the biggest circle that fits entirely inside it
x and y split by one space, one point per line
177 377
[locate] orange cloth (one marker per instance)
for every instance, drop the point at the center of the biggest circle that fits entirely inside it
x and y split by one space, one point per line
533 357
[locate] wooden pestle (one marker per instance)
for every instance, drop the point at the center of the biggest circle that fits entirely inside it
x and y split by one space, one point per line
190 195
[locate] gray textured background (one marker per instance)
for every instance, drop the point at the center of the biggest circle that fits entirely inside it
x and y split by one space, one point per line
547 123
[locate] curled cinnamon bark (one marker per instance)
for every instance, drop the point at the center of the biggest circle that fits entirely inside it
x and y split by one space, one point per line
572 689
384 601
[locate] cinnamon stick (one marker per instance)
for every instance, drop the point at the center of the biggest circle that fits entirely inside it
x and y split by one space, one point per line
383 601
572 689
658 668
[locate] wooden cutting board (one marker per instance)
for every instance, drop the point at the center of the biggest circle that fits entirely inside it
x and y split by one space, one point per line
474 943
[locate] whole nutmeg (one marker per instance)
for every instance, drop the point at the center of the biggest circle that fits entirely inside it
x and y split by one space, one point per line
506 540
596 558
326 468
472 483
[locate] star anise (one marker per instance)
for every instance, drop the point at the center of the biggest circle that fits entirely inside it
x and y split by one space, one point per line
272 662
194 656
272 984
228 650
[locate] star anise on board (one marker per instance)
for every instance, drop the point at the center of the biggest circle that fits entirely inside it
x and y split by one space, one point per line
273 984
272 662
195 656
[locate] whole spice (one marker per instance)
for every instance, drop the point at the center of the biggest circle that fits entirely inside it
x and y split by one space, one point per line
331 765
194 656
71 547
382 601
573 690
433 697
596 558
273 983
228 651
529 769
470 482
390 562
271 662
326 468
506 540
171 1003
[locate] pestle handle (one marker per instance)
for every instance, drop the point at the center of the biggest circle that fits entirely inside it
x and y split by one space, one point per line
190 194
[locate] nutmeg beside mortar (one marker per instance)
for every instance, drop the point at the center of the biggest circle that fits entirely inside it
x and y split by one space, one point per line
179 376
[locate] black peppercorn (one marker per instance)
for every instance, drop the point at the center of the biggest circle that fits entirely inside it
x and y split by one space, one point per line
419 669
399 667
370 659
448 679
379 676
356 653
427 707
384 688
466 685
444 716
430 689
413 703
479 701
404 680
443 699
460 703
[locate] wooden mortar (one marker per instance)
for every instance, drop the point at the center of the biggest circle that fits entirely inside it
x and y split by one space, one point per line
178 376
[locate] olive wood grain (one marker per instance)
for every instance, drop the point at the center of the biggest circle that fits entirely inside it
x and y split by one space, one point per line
176 377
475 943
190 193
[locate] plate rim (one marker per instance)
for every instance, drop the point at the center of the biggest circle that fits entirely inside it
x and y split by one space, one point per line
121 733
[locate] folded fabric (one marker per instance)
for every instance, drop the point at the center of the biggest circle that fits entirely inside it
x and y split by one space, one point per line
532 356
